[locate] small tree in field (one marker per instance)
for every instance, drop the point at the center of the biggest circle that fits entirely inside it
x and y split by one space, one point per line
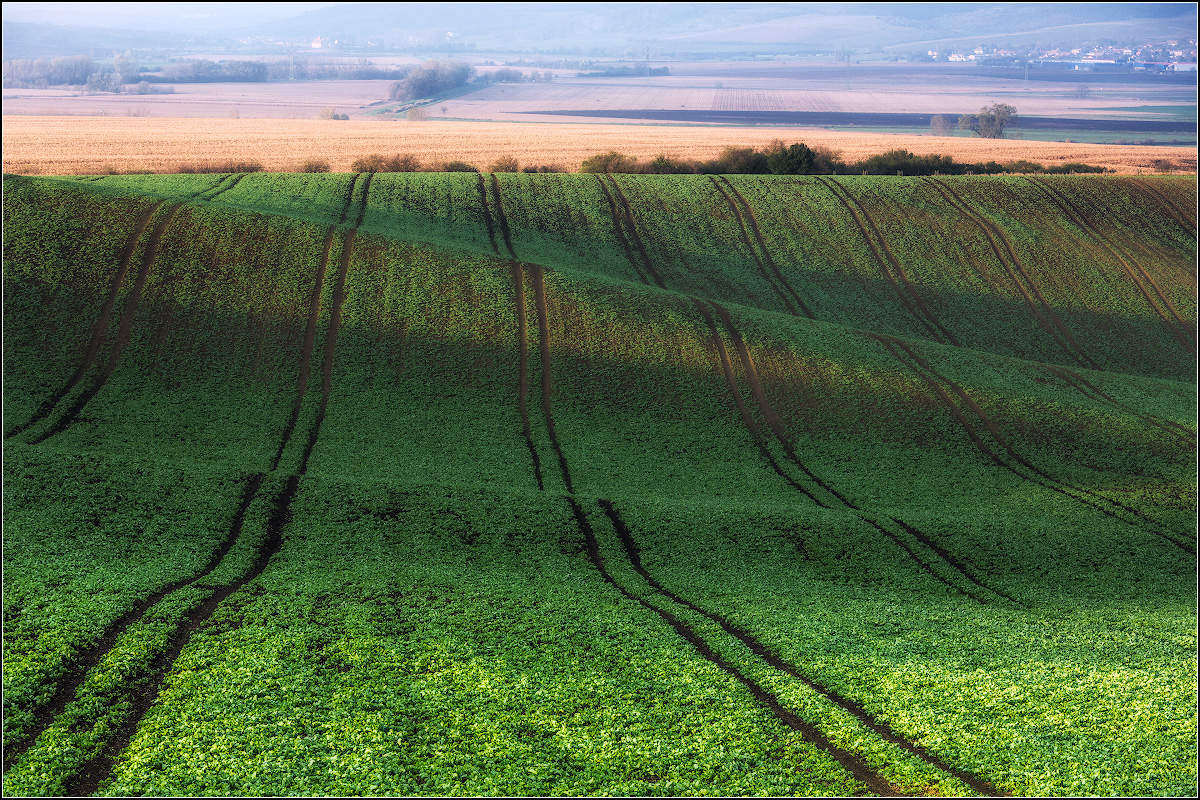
940 125
990 122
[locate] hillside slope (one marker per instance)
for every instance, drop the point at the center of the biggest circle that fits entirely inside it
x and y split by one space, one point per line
564 484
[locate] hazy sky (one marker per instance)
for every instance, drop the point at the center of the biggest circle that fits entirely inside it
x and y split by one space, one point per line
157 16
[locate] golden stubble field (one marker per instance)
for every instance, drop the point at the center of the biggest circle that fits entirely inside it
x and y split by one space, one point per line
39 145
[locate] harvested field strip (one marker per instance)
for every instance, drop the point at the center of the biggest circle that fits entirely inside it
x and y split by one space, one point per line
501 217
124 328
92 655
634 236
619 229
1016 272
88 779
861 223
539 293
518 276
1088 389
99 329
758 262
748 215
487 213
772 658
935 381
747 419
305 362
1179 328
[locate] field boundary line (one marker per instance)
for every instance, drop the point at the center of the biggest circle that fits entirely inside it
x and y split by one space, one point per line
762 245
852 206
772 658
124 330
99 332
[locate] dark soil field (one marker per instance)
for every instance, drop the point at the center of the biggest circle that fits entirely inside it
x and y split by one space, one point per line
567 484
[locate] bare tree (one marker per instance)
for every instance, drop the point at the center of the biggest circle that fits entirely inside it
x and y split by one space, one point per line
940 125
990 122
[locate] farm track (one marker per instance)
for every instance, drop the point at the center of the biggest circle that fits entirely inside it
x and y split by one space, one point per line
1042 311
87 779
99 333
487 213
539 293
502 218
883 729
907 293
1088 389
518 276
619 229
92 655
748 215
781 434
124 328
634 236
1179 328
935 381
758 262
222 189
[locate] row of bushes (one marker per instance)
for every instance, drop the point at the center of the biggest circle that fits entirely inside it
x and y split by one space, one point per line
800 159
408 163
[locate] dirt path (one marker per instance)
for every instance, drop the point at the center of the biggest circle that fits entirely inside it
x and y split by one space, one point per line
124 328
748 216
99 333
907 294
772 658
1180 328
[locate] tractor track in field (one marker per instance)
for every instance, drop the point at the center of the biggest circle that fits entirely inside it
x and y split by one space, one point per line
634 237
883 729
92 655
502 218
779 430
619 229
1020 278
487 212
938 383
907 293
124 329
808 732
1166 203
752 220
90 776
1088 389
99 333
758 262
539 293
1179 327
222 189
518 276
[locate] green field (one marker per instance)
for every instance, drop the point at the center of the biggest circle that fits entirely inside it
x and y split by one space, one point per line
576 484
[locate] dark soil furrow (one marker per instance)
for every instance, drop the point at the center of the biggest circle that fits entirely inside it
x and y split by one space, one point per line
758 262
748 215
634 236
1089 389
747 418
539 293
99 333
934 380
124 329
1042 311
501 217
1179 327
633 553
810 733
618 227
773 421
306 348
518 276
487 213
92 655
850 206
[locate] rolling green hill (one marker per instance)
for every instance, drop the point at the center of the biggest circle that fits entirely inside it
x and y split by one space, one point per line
577 484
